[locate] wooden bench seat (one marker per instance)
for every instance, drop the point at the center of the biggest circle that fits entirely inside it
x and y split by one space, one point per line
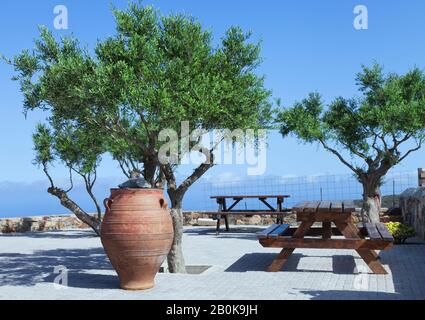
378 231
246 213
273 231
345 234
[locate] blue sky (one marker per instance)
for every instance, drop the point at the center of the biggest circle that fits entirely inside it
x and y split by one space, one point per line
307 46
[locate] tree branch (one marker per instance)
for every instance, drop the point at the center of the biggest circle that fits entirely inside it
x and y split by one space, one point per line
122 163
48 175
75 209
419 145
89 189
349 165
198 172
167 170
70 180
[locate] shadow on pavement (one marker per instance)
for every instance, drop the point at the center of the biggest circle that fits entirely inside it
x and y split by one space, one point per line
352 295
83 267
342 264
236 232
405 263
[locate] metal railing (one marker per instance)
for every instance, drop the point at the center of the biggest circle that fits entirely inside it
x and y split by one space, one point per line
303 188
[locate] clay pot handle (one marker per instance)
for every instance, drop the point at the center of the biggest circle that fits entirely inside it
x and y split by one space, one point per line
163 204
107 203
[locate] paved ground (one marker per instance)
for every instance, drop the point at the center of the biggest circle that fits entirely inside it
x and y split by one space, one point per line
27 263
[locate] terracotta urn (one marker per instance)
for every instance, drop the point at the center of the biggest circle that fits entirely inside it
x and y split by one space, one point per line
137 234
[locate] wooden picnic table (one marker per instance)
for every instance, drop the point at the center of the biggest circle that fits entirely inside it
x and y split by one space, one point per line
370 237
224 210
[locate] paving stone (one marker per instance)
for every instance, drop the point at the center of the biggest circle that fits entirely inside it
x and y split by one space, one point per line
238 263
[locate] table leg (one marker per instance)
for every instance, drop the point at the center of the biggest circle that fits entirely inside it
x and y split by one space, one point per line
349 230
221 208
281 259
283 256
279 219
371 259
226 220
327 229
218 224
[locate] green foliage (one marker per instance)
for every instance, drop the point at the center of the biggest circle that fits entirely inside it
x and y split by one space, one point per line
77 148
401 232
372 128
154 73
43 143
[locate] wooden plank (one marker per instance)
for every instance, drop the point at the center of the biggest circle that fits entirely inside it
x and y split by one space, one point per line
280 260
324 206
303 229
278 231
233 205
372 261
349 230
336 207
264 201
313 232
308 243
385 233
312 206
265 232
372 231
299 207
324 216
283 256
348 206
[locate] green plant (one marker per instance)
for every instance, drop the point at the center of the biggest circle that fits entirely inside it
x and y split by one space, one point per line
157 72
401 232
370 134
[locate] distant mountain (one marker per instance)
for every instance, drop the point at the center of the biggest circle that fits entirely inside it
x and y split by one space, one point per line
387 202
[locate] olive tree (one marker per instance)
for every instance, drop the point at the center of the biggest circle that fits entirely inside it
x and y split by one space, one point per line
369 134
156 73
80 152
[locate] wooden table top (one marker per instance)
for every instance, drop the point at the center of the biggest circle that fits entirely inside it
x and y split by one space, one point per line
346 206
250 197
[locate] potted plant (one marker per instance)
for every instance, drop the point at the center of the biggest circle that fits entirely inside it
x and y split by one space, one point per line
400 231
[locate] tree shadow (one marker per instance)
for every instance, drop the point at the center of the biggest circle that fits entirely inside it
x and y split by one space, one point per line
236 232
351 295
87 268
341 264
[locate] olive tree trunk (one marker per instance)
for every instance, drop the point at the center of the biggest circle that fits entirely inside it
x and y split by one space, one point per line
175 259
65 201
372 199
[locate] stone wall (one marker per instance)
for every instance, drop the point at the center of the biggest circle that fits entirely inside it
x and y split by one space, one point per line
34 224
52 223
412 203
192 219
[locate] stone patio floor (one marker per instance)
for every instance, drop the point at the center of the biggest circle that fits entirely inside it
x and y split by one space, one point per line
237 260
